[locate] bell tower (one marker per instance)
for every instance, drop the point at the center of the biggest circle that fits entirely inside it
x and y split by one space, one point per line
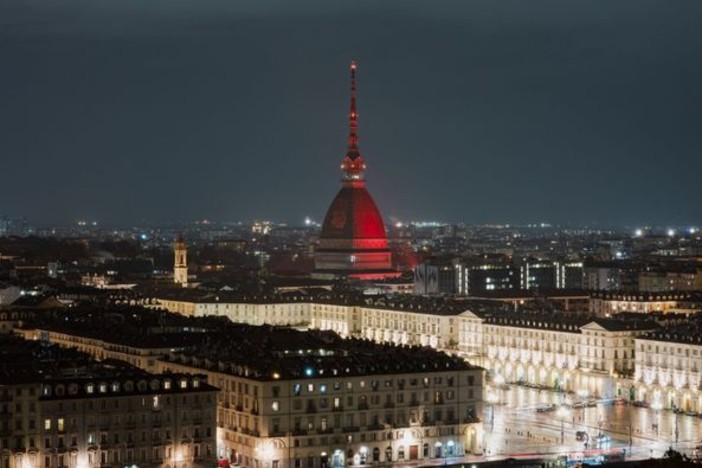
180 264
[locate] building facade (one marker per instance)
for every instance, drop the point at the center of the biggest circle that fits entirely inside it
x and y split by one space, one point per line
103 417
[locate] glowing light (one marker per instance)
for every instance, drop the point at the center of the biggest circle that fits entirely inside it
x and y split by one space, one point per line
638 232
276 375
309 372
563 412
265 452
671 232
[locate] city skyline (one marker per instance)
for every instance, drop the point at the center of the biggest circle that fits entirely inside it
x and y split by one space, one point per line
477 112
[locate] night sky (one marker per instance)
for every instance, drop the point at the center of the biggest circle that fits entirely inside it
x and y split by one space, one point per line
568 111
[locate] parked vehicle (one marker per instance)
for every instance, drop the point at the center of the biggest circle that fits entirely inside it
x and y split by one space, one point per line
546 408
602 441
581 436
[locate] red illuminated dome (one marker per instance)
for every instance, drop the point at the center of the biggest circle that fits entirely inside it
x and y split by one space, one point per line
353 242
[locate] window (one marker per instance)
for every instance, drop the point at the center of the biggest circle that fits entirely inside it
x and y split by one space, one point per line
47 424
60 424
275 406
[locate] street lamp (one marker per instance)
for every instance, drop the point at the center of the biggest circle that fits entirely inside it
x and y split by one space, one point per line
563 413
656 406
492 400
675 412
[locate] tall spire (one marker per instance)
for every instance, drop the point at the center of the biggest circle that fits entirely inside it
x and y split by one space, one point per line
353 165
352 151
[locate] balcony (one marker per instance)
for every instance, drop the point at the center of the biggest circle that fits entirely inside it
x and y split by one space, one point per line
375 427
299 432
348 429
363 406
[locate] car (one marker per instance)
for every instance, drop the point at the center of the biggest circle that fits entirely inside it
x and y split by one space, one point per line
546 408
602 441
581 436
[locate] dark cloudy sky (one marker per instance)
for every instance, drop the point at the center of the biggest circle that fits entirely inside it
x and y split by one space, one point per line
471 110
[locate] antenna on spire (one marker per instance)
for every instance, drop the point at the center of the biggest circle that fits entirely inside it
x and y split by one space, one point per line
353 117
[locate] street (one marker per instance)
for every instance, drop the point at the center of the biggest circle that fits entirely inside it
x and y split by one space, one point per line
517 428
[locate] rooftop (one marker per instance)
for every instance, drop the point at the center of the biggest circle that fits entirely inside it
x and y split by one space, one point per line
269 353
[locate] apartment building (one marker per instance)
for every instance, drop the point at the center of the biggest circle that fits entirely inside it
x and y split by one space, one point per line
59 408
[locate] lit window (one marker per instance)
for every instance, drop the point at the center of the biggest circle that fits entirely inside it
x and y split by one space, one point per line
60 424
167 384
156 401
47 424
183 383
90 388
323 388
310 387
275 406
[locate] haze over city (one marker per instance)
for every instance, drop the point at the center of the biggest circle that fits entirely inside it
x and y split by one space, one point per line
480 111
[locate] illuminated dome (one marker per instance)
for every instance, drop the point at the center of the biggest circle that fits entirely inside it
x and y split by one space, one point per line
353 215
353 242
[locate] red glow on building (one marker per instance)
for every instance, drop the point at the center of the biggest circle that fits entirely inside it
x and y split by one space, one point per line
353 242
